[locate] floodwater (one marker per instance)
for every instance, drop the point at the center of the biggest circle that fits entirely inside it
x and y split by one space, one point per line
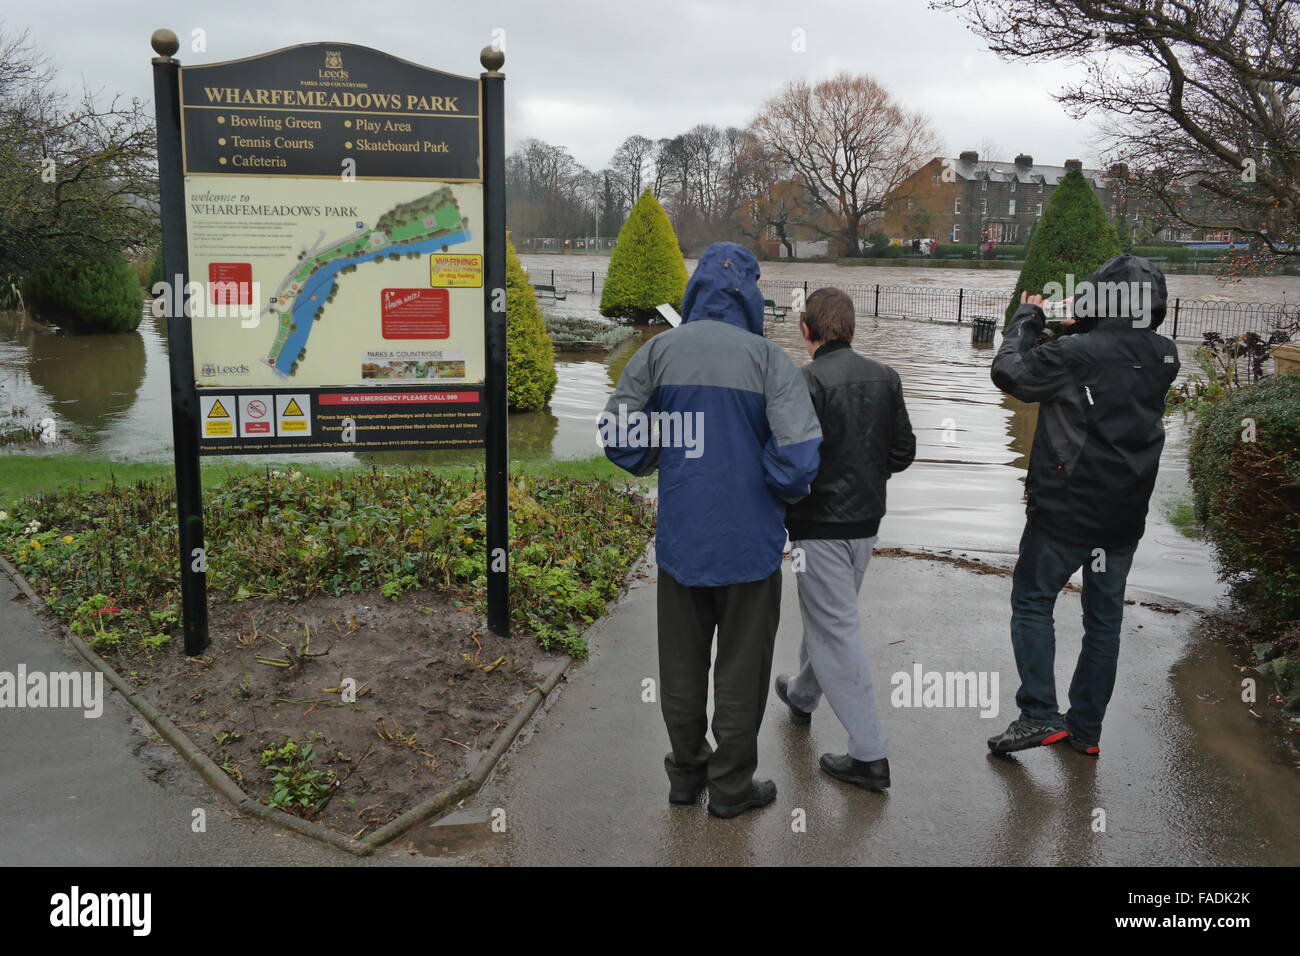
109 396
1208 287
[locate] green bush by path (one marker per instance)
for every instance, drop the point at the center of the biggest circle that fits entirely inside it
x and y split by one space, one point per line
99 295
1074 237
1247 493
647 268
105 560
530 358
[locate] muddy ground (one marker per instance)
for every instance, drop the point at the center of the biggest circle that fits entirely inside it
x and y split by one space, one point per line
432 690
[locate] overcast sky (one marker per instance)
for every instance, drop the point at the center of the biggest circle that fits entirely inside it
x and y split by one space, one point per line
586 74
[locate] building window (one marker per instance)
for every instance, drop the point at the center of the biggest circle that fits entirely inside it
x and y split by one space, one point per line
956 205
1012 186
909 203
984 207
1039 210
984 185
1011 207
956 233
1040 189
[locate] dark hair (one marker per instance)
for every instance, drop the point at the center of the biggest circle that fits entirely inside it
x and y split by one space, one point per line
829 316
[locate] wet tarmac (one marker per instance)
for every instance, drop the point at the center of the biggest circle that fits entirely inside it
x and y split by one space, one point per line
1187 776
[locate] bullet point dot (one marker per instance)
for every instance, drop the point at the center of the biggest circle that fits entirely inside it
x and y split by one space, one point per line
222 160
347 123
347 145
222 141
221 119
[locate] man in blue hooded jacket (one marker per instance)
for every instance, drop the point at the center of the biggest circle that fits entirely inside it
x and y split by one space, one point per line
726 418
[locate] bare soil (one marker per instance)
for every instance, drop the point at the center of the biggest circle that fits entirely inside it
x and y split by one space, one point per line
433 688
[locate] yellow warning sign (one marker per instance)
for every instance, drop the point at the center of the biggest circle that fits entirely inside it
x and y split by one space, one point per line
216 419
291 415
455 271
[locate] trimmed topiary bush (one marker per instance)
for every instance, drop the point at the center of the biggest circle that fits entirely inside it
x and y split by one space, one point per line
1074 237
100 295
530 359
1247 492
647 268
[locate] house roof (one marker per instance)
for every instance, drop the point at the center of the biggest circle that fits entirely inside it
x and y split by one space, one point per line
1005 171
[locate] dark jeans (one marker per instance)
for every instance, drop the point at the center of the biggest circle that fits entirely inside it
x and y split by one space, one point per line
1043 569
745 617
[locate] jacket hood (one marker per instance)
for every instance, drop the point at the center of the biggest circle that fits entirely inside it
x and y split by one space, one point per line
724 287
1126 288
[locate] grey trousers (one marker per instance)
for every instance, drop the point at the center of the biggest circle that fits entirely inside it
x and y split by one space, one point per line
833 657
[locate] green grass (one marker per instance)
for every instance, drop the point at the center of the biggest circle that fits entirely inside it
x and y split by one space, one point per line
1182 515
24 475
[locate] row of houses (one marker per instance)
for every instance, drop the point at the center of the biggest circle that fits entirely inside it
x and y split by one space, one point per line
969 199
966 199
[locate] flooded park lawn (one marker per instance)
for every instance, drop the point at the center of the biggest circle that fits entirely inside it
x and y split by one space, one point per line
109 396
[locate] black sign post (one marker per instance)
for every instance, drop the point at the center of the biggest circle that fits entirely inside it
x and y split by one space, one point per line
345 113
494 291
185 402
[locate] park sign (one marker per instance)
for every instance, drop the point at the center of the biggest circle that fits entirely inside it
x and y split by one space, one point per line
334 240
334 211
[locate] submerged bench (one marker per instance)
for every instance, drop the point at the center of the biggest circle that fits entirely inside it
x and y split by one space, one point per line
550 290
775 312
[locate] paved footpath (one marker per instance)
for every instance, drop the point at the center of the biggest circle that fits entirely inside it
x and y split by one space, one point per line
1187 776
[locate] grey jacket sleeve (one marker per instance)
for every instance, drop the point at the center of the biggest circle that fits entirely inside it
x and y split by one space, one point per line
634 393
791 456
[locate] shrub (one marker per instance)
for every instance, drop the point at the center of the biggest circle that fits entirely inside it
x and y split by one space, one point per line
1247 492
647 268
157 272
98 295
530 359
1074 237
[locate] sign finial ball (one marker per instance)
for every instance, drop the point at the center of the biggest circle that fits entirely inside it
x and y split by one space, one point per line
164 42
492 58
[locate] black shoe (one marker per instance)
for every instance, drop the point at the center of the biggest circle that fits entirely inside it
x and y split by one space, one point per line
801 717
762 792
1025 733
683 793
1083 746
868 774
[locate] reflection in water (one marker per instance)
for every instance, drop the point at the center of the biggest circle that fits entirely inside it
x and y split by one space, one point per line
91 381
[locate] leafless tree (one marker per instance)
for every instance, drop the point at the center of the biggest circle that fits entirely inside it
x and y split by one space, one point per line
76 173
849 143
1200 97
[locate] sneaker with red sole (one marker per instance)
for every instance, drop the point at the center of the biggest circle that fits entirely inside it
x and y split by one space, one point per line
1024 733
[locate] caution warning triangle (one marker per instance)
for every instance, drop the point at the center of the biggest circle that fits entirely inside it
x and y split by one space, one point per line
218 410
292 408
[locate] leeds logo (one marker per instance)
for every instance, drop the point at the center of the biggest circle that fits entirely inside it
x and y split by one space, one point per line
333 60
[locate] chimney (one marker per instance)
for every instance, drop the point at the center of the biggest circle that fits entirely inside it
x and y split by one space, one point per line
1119 170
1025 161
969 156
1074 164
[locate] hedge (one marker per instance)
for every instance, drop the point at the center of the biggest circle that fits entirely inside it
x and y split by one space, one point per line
97 295
530 359
1074 237
647 268
1247 492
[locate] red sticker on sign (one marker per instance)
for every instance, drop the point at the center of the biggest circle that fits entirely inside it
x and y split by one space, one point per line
230 283
415 313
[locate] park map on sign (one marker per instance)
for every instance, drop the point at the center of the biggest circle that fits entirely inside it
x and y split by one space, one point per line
427 225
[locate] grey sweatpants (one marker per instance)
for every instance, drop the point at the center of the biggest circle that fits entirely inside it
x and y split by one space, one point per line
833 657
